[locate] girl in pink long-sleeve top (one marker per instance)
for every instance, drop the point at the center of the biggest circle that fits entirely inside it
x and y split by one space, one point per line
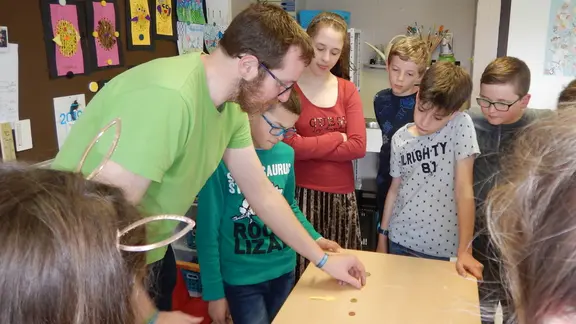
331 134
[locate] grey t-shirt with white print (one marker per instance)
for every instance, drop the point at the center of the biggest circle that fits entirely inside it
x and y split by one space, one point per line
424 218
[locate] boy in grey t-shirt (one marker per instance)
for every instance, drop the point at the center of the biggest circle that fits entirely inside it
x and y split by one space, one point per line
429 209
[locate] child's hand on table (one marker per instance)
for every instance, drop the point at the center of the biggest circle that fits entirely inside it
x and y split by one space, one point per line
218 311
467 264
328 245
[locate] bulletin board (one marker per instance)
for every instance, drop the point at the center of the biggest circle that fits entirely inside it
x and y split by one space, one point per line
37 89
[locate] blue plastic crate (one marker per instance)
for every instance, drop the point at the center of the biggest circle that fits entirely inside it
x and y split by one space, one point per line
306 16
193 282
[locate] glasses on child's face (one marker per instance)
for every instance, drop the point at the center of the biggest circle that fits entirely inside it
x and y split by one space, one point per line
280 83
498 105
280 131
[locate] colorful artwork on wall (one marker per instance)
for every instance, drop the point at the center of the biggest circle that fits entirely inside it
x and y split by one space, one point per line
560 57
63 27
140 25
104 34
165 19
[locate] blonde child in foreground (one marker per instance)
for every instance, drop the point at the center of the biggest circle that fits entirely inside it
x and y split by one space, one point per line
532 221
429 208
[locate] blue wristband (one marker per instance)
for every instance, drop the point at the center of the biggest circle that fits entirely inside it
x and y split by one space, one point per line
322 261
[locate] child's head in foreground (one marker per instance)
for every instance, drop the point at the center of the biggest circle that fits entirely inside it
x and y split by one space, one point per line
276 123
407 61
59 260
504 87
443 91
567 97
532 220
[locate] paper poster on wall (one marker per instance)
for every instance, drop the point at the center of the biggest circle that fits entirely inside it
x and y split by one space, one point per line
9 84
190 38
165 19
140 25
63 25
66 111
212 35
218 12
190 11
104 40
560 57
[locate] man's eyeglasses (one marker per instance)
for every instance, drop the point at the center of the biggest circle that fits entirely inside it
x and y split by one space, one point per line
280 131
500 106
280 83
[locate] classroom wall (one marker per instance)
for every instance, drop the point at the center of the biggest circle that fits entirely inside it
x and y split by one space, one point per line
36 90
527 40
485 40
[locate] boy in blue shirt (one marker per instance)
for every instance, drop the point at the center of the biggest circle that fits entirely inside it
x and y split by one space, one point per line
244 266
394 107
429 208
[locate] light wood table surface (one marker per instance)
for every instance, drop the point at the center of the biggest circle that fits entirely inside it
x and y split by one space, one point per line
399 290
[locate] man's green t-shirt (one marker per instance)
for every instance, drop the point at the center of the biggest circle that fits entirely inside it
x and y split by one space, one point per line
171 133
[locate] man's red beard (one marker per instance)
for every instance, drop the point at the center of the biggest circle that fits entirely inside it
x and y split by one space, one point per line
248 96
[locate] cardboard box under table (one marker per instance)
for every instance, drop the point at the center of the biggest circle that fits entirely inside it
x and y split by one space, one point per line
399 290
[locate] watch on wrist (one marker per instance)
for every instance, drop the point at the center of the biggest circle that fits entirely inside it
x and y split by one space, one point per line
382 231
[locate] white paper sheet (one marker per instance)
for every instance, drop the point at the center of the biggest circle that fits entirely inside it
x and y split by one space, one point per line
9 84
218 12
62 116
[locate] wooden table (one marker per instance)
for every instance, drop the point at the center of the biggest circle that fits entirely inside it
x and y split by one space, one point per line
399 290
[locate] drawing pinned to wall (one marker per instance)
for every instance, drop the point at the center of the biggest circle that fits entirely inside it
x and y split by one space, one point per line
190 38
190 11
212 35
141 25
66 111
63 25
105 44
560 57
165 19
218 12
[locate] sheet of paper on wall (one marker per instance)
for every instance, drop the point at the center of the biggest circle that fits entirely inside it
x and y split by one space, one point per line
9 84
23 135
190 38
66 111
560 41
218 12
212 35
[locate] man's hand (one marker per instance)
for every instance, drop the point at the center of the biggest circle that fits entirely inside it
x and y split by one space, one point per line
467 264
218 311
382 246
328 245
177 318
346 268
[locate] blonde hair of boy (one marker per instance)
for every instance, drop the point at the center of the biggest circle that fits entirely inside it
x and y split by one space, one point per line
567 97
445 87
508 70
531 220
411 49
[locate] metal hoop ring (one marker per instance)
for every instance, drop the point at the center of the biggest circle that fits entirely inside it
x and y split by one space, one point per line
115 122
148 247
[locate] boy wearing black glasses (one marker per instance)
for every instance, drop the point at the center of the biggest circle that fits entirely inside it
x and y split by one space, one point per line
502 113
245 267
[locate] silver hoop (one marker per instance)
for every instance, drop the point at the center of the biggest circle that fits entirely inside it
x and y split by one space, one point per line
148 247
